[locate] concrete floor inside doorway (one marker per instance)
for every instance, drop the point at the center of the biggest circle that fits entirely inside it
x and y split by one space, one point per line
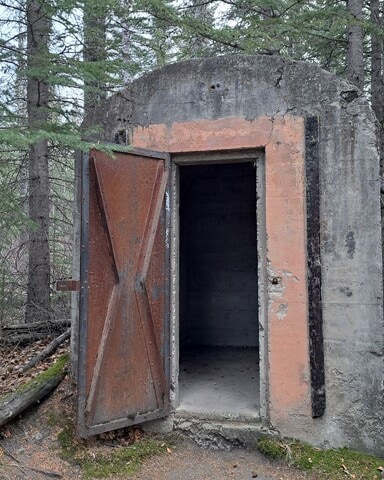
219 382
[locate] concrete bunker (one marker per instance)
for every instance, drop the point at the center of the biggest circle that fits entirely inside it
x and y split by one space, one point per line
218 290
309 137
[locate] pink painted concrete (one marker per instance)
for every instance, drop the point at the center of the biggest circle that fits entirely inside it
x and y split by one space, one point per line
282 139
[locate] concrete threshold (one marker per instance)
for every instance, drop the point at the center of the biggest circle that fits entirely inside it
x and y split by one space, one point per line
221 433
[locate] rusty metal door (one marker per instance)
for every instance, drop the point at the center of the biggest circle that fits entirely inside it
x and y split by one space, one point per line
124 321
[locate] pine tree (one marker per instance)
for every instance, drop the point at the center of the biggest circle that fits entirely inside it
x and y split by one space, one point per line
67 70
355 51
38 96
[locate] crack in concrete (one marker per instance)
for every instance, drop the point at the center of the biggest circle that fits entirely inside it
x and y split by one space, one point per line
280 72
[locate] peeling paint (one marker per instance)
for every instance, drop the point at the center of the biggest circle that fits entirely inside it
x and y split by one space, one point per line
282 311
289 274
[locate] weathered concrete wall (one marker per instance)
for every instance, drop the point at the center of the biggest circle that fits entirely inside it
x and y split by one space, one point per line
245 102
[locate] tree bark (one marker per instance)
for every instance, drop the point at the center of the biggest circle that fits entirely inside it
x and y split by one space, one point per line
377 90
94 52
38 294
95 14
377 93
75 296
355 53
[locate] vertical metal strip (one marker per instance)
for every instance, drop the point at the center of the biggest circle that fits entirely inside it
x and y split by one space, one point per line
315 310
83 306
174 284
261 238
166 350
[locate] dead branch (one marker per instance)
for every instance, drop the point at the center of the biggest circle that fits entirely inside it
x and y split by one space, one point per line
53 325
48 350
25 333
37 470
22 339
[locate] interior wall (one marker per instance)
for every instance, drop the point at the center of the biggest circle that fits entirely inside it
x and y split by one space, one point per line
218 256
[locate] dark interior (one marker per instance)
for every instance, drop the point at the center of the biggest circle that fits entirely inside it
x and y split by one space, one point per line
218 267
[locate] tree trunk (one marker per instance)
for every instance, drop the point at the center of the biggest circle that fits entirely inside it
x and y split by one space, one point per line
94 54
355 54
94 29
38 295
75 297
377 93
377 90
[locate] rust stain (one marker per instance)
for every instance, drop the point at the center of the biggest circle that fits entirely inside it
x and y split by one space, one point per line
126 266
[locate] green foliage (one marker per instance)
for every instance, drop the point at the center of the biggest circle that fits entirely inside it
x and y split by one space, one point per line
12 215
332 464
271 448
13 222
139 36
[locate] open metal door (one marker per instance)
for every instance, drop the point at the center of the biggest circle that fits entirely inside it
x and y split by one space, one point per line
124 311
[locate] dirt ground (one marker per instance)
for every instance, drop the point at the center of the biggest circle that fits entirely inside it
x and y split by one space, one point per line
30 443
189 462
30 450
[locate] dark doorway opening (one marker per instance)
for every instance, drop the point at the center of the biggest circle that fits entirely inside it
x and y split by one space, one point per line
218 295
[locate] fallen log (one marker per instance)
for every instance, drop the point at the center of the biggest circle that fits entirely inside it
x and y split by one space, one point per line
48 350
51 325
13 404
22 339
23 334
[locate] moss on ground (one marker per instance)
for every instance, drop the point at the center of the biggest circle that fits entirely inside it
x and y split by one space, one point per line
121 460
332 464
55 370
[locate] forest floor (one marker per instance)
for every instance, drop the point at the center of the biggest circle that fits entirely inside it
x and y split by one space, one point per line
41 444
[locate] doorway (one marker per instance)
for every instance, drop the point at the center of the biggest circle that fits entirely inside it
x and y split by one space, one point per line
218 290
